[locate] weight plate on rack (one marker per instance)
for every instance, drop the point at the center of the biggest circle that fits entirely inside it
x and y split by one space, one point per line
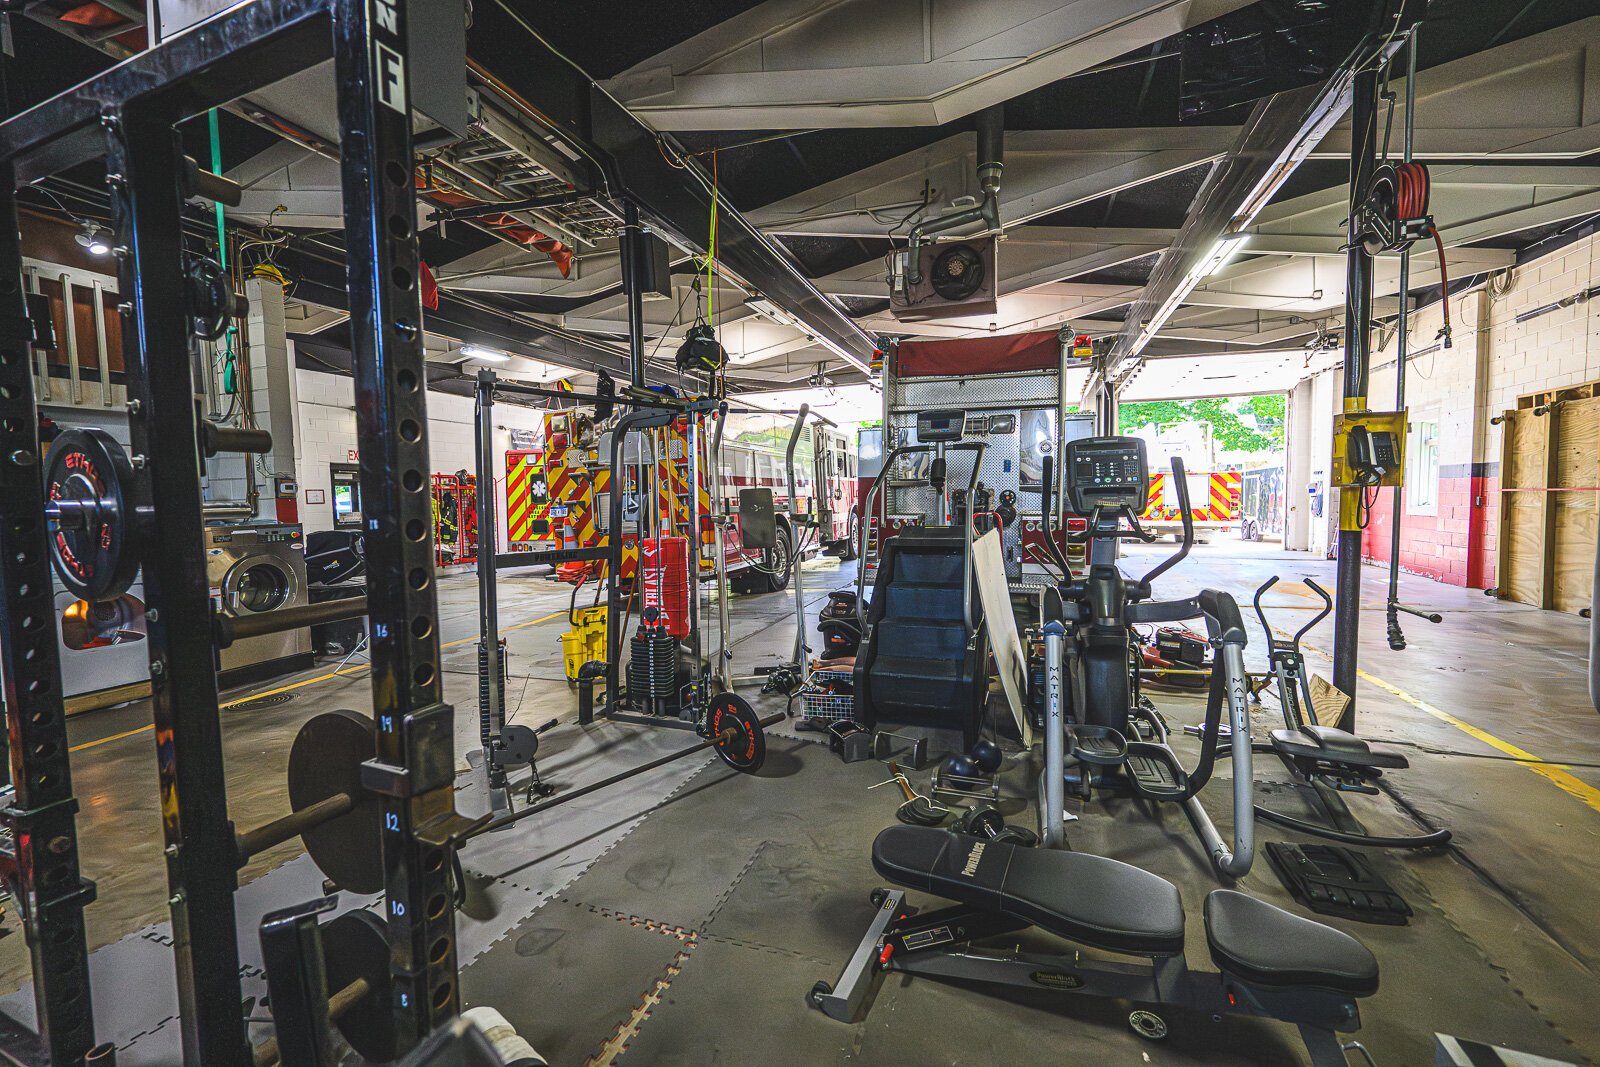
95 544
355 945
325 761
747 751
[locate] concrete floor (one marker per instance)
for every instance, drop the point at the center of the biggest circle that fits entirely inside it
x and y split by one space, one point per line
1505 948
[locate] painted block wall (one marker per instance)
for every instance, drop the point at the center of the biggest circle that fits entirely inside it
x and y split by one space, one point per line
1494 360
327 435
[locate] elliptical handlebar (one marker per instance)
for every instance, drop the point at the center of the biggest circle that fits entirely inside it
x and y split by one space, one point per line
1181 480
864 528
1273 643
1046 512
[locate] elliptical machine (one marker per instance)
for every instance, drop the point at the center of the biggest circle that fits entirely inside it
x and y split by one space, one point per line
1331 762
1116 741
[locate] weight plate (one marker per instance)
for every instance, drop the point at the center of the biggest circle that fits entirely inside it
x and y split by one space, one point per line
747 751
324 761
518 746
355 946
97 556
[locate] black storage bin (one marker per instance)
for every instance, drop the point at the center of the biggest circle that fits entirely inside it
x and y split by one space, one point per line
337 638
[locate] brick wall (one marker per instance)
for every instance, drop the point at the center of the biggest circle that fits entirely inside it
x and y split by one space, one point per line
1493 361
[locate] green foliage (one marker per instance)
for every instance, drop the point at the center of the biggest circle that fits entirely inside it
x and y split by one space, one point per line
1250 424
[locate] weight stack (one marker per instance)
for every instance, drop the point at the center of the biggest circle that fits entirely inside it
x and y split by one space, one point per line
653 667
486 729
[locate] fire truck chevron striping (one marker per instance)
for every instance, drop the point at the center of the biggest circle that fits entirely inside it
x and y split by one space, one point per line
1220 505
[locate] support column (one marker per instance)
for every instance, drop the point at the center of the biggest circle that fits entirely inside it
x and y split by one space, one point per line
1357 361
146 205
414 771
271 369
1297 469
633 287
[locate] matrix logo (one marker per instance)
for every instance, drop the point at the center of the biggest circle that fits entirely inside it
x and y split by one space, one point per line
391 66
971 868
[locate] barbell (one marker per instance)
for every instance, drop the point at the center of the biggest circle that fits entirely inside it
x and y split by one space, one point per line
340 822
98 533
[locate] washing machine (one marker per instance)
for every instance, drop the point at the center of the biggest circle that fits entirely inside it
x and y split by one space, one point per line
254 569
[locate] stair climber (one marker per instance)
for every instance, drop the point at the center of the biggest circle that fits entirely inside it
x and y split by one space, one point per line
923 657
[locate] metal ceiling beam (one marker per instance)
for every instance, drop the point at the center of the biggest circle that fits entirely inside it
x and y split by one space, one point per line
1046 170
1023 266
802 64
675 196
1280 132
1535 98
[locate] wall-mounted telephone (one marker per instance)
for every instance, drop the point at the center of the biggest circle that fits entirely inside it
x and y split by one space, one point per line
1371 454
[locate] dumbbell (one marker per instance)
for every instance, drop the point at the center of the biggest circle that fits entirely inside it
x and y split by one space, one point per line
985 821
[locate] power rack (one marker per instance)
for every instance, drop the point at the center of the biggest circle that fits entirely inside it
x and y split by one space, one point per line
127 117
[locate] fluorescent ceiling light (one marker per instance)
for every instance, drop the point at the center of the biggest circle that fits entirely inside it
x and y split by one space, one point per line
1225 249
484 355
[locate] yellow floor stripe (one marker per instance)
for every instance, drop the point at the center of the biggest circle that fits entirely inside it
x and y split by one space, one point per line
1555 773
346 673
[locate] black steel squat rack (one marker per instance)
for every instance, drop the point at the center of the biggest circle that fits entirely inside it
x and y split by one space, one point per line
127 116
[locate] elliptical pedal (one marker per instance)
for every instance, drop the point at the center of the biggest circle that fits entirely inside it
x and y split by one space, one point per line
1154 773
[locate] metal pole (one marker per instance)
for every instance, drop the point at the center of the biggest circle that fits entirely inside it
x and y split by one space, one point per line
1357 361
631 269
723 673
414 769
102 353
797 531
69 316
1397 637
491 692
147 206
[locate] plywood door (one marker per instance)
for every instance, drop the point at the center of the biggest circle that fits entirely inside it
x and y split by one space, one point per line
1576 474
1550 505
1522 537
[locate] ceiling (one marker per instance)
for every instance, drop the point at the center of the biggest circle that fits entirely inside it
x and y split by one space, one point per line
833 126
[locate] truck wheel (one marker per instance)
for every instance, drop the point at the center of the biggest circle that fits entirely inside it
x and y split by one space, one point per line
776 561
852 544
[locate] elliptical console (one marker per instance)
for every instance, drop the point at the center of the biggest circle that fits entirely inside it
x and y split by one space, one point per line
1107 474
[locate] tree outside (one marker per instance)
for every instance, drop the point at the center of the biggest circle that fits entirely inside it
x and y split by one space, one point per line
1238 424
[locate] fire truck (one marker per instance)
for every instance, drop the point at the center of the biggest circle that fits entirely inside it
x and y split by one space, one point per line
1018 393
1213 502
558 495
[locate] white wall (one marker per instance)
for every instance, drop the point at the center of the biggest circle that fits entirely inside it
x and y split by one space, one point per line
1297 468
327 435
1326 399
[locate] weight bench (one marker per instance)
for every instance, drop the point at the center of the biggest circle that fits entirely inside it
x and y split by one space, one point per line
1271 963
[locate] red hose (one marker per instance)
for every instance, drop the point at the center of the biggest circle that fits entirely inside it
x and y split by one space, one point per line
1411 202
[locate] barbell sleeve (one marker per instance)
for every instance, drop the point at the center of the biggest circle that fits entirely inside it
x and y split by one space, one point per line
231 628
218 439
254 842
266 1053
